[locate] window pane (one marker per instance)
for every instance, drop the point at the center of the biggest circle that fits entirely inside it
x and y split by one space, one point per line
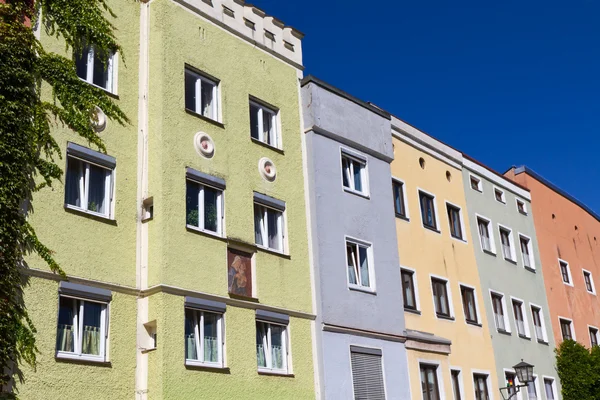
207 99
346 172
191 203
259 227
190 91
211 217
531 391
101 70
273 229
357 176
74 182
456 384
277 347
364 266
398 198
191 353
352 259
261 334
549 389
407 285
90 341
268 127
254 110
97 190
211 340
81 63
65 335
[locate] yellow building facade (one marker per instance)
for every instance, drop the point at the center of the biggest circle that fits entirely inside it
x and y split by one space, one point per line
448 341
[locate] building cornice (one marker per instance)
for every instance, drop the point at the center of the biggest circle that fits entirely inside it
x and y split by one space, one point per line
362 332
495 177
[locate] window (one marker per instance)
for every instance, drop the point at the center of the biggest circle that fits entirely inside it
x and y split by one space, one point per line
96 68
506 240
538 323
82 329
271 346
408 289
399 204
269 222
203 337
499 195
484 235
440 297
204 207
429 382
201 95
455 375
532 393
549 388
481 387
428 210
565 272
357 260
89 180
526 252
454 219
589 282
476 184
511 382
263 124
354 173
521 207
565 329
499 315
468 301
367 373
593 336
520 322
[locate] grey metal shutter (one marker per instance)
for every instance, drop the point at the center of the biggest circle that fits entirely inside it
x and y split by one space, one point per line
367 374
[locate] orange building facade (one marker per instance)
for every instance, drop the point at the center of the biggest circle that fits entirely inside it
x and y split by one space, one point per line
568 235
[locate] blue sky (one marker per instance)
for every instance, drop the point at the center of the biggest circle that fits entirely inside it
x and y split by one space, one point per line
507 82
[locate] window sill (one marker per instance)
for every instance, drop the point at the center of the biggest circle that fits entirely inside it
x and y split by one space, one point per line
592 293
543 342
524 337
108 92
431 228
568 284
477 190
403 217
458 239
510 261
412 311
530 269
90 214
523 213
491 253
356 193
474 323
207 119
274 252
195 229
267 145
205 367
502 331
445 317
275 373
74 359
362 289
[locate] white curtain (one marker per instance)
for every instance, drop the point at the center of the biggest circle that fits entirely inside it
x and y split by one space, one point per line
364 267
258 228
260 344
351 264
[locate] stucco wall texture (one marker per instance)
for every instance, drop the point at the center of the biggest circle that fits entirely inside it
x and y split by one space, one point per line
511 279
432 253
566 231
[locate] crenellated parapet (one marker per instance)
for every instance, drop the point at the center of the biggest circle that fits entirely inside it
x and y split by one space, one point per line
254 25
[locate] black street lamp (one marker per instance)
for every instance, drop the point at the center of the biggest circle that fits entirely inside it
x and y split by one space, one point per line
524 373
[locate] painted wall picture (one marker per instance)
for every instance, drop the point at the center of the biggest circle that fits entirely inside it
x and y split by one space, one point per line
239 272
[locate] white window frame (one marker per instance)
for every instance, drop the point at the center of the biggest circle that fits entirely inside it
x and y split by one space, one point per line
479 183
570 283
404 196
461 384
490 229
364 172
220 209
542 321
517 201
267 346
511 243
438 372
504 309
554 389
264 228
524 313
536 381
112 65
275 128
572 327
583 272
462 222
517 382
502 195
477 312
370 265
438 228
489 381
78 330
199 336
415 284
84 188
529 248
448 293
216 103
597 334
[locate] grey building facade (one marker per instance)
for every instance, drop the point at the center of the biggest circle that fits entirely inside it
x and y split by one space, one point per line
512 282
359 336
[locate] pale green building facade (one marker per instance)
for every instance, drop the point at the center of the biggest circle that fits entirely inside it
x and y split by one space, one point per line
186 244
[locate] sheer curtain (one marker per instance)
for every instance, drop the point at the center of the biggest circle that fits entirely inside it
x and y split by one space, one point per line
258 225
90 341
211 339
351 264
273 230
277 347
190 339
66 333
364 266
261 337
74 180
206 99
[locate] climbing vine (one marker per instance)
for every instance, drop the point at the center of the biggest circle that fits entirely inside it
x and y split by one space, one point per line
39 90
